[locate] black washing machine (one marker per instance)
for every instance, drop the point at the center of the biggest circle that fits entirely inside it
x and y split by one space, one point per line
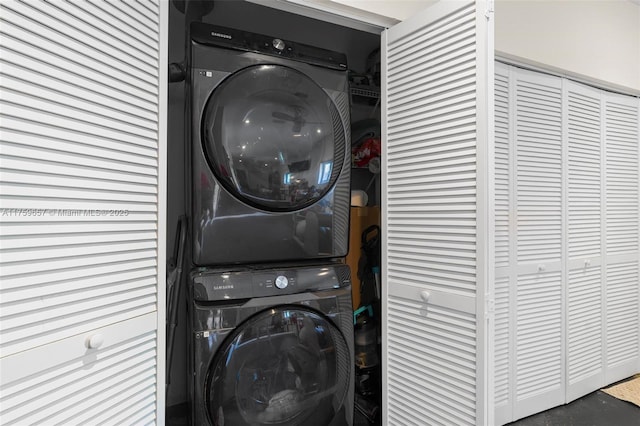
272 347
270 149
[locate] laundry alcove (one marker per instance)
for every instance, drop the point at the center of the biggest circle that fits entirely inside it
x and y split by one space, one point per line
437 73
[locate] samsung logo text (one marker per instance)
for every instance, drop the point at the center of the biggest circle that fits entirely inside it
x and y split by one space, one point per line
221 35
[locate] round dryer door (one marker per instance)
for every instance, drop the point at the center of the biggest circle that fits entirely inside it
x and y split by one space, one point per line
273 138
283 366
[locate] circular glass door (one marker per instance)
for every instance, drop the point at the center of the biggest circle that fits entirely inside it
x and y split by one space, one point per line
273 138
284 366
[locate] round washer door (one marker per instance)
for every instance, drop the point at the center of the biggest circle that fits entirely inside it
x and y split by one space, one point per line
273 138
288 365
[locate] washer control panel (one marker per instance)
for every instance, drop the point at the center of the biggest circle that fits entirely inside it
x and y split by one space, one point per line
229 285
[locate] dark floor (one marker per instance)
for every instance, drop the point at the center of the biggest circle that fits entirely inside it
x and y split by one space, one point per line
594 409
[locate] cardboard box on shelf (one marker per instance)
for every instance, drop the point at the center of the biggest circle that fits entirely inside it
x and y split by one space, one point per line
361 219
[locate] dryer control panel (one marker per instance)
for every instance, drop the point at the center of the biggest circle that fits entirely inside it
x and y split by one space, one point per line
214 35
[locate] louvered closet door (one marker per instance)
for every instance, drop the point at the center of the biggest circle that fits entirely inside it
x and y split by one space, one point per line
584 289
566 240
436 104
504 288
621 243
82 96
538 320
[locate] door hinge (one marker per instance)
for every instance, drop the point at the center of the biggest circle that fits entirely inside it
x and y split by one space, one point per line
490 8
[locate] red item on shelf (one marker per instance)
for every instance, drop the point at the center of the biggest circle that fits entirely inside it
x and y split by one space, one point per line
365 152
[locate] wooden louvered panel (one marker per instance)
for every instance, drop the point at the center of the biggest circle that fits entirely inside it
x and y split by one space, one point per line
79 178
82 94
622 302
91 22
430 75
53 115
502 338
423 354
621 141
103 162
52 90
431 175
570 337
584 331
63 49
502 170
22 62
539 343
584 175
539 168
66 383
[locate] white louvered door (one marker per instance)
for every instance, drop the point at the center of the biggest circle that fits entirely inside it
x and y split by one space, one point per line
538 238
622 312
566 240
437 81
584 216
82 122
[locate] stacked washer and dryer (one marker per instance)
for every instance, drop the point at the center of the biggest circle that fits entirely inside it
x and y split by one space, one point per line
269 175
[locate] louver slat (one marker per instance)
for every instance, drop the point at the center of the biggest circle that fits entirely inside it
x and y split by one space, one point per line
430 217
80 185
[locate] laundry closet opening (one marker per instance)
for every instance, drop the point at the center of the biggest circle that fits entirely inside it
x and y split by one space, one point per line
362 50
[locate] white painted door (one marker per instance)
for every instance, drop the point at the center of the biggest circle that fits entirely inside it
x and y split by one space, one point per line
82 184
622 236
585 221
538 302
437 216
567 295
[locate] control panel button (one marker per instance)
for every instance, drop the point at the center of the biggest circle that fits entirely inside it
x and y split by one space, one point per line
278 44
282 282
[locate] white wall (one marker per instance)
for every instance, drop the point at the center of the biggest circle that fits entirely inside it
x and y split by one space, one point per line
594 39
397 9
